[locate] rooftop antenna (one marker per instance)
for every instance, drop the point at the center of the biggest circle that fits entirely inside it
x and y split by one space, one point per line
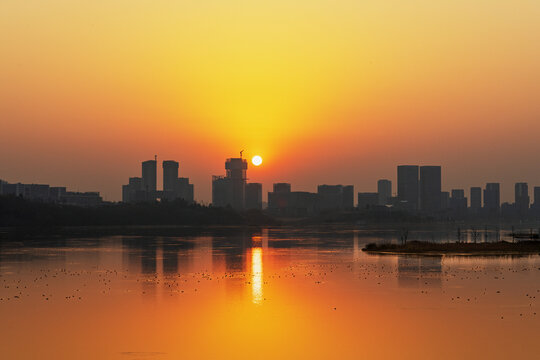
155 158
241 153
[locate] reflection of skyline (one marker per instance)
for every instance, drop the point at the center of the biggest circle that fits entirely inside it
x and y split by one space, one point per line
414 271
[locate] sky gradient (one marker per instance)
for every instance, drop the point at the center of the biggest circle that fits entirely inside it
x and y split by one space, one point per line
325 91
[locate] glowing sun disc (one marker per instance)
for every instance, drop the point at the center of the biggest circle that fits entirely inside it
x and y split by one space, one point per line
256 160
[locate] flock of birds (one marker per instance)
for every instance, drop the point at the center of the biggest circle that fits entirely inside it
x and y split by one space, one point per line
457 284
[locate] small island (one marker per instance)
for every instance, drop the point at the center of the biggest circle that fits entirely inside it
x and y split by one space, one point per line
456 248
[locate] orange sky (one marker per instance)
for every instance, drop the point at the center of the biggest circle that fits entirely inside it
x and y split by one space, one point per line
325 91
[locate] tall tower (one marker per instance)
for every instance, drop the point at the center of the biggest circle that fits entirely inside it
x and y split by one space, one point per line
170 175
476 198
408 185
492 197
384 191
149 178
430 188
522 198
236 170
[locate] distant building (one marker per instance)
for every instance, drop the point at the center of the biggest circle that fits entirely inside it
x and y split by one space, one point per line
384 191
142 189
284 202
476 198
149 178
458 201
492 198
50 194
522 199
229 190
335 197
430 188
173 186
367 200
408 186
536 204
254 196
445 200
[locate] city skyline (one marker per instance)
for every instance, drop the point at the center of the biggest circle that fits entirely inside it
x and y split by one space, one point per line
326 91
507 192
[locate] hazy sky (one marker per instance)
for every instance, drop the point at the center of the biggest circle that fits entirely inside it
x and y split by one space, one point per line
326 91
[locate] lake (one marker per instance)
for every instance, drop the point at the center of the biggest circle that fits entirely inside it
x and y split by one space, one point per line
262 294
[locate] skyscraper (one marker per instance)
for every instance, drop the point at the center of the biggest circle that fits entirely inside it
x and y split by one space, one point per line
476 198
170 175
230 189
430 188
458 201
522 199
492 197
149 178
407 176
384 191
536 197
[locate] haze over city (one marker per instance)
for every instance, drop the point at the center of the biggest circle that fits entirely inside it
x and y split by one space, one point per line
325 92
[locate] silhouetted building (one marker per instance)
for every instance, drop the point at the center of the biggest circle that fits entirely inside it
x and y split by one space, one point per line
284 202
536 204
476 198
254 196
149 178
170 175
384 191
408 187
367 200
229 190
458 201
430 188
173 186
50 194
279 198
522 199
141 189
445 200
335 197
492 198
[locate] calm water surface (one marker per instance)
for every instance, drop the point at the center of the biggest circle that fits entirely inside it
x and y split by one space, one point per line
261 295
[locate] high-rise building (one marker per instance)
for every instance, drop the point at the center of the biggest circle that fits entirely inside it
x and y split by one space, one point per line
254 196
458 201
170 175
407 176
144 188
536 197
430 188
445 200
229 190
476 198
492 197
384 191
522 199
149 178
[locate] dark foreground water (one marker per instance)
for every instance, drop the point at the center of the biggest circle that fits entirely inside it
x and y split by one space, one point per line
266 294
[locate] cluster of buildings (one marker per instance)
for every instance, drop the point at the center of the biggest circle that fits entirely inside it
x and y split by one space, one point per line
233 190
419 189
50 194
144 188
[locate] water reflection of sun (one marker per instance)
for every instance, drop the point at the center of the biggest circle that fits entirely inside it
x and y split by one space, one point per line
256 275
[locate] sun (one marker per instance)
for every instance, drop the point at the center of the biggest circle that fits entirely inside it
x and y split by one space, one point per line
256 160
